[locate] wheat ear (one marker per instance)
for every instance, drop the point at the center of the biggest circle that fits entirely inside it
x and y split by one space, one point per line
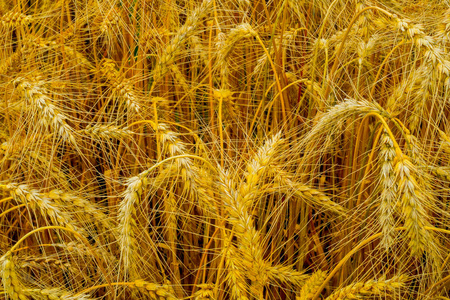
312 285
55 294
413 202
388 194
38 201
235 277
238 203
128 224
369 288
120 86
11 283
205 292
37 96
312 196
183 33
155 291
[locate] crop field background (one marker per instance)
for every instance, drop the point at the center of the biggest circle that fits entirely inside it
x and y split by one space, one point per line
224 149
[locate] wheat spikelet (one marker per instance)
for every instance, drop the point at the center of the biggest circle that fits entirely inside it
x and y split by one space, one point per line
80 249
333 121
32 158
79 58
127 219
445 142
441 172
55 171
74 28
248 236
179 77
366 49
33 42
109 26
432 53
241 31
257 167
198 49
238 211
368 288
422 90
365 23
225 102
11 61
311 285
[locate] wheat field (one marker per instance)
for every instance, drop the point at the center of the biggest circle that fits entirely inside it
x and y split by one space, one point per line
224 149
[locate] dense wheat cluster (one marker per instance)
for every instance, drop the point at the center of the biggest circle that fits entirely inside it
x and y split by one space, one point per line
224 149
